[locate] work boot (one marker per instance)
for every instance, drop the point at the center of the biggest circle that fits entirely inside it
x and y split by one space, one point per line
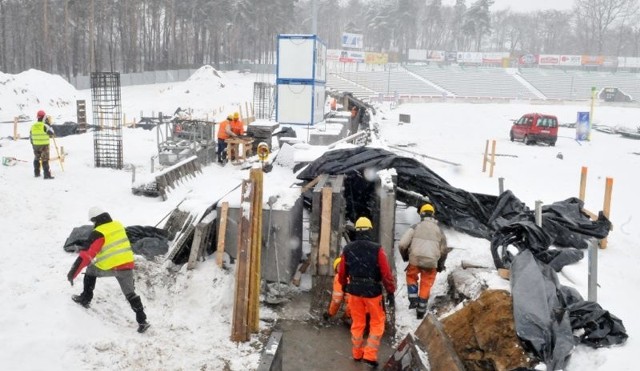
422 308
412 291
47 170
85 297
370 363
141 317
36 168
81 300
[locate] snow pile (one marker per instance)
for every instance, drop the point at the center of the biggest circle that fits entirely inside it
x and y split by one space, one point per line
32 90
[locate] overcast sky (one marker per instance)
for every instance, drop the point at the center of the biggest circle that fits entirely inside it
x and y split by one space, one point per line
524 5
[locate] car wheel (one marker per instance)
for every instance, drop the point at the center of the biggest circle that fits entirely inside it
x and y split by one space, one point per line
552 144
511 136
526 140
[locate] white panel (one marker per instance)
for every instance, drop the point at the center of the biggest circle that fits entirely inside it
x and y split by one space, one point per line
295 58
318 103
294 103
321 59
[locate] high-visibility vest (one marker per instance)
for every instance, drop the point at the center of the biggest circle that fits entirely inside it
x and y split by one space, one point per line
222 130
116 249
237 127
39 136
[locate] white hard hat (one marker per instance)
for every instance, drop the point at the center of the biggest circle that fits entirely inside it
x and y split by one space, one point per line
95 211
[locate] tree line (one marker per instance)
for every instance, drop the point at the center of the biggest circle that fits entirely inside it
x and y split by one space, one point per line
75 37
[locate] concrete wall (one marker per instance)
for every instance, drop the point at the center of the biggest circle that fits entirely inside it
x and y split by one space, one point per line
285 241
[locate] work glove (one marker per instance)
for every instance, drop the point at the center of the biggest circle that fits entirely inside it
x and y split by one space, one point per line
326 316
391 301
441 266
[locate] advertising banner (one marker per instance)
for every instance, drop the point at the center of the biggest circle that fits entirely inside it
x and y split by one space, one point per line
436 55
628 62
582 126
469 57
417 55
527 59
548 59
451 56
352 40
494 58
570 60
592 60
351 56
376 58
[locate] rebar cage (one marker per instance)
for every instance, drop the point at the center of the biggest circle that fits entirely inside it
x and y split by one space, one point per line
107 119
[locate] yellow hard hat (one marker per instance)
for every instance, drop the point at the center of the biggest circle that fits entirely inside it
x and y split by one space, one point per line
427 208
230 117
336 263
363 223
236 115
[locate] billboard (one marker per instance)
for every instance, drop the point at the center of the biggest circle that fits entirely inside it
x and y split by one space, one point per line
352 40
548 59
436 55
469 57
351 56
570 60
494 58
376 58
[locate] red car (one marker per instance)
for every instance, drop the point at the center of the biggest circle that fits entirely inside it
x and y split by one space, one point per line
535 127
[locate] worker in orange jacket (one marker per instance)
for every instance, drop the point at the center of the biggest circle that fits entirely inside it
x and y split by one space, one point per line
363 270
338 296
224 132
237 126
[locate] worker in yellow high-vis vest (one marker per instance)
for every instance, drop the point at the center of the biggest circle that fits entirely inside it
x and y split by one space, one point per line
41 131
107 253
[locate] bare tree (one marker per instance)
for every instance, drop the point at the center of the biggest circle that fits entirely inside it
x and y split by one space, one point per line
594 18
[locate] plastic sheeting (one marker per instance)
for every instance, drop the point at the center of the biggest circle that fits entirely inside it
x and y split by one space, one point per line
541 322
546 314
479 215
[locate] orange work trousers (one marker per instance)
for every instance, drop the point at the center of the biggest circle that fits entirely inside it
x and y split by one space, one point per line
427 277
337 298
360 306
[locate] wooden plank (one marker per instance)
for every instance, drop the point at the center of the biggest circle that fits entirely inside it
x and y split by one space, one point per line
324 251
583 183
442 355
222 230
606 207
239 325
195 245
256 248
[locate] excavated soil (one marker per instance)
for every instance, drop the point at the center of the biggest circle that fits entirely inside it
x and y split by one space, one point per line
484 336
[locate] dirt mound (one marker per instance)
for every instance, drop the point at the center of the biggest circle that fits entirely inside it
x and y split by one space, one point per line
484 336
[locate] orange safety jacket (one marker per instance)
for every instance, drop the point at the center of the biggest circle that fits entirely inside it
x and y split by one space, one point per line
337 297
237 126
222 130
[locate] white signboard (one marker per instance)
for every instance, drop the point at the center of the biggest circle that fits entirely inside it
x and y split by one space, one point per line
418 55
469 57
629 62
352 40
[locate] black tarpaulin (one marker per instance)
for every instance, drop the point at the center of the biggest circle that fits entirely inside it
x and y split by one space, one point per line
145 240
479 215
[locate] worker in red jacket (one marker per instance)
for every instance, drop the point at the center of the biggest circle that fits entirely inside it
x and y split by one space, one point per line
363 270
107 253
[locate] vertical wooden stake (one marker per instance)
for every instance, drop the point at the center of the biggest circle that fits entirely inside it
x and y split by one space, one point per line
325 232
222 230
606 207
583 183
239 324
484 158
256 249
15 128
493 158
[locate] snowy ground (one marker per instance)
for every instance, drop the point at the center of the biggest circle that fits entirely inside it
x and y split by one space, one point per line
190 311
